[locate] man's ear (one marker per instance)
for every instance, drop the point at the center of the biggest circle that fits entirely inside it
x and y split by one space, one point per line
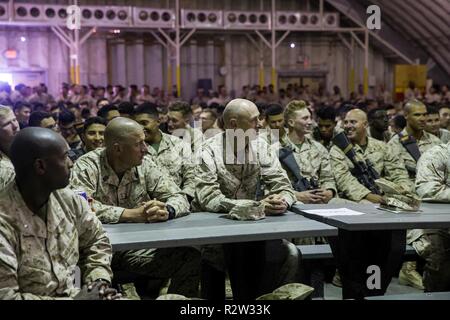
290 123
233 123
40 167
82 137
117 147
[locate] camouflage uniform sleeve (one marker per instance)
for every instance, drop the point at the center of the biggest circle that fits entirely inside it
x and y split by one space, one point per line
6 176
84 177
276 179
188 171
432 175
207 189
9 282
94 246
395 169
188 175
161 187
395 146
346 183
326 179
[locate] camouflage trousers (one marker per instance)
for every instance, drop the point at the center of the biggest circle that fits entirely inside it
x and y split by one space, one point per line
181 265
434 247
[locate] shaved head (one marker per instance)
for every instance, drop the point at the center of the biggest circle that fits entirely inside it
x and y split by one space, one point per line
355 126
239 109
125 144
416 115
413 104
120 129
357 113
41 155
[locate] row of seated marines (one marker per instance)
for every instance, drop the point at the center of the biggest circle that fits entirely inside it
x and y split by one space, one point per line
47 230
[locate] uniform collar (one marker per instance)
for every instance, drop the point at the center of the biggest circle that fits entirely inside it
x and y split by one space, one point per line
306 145
3 156
110 177
30 223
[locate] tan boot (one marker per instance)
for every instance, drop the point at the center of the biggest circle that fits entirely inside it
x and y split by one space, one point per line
409 276
129 291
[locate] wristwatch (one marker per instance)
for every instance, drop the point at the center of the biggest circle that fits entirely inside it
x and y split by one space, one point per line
171 211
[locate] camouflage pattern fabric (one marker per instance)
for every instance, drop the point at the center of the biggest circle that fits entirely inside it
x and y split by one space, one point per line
38 259
384 160
174 155
92 174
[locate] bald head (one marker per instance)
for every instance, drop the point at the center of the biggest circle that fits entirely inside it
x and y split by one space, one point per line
120 129
357 114
355 126
35 143
238 112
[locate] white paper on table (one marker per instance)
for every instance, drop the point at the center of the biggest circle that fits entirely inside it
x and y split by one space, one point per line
334 212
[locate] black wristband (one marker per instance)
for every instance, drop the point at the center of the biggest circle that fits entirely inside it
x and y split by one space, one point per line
171 211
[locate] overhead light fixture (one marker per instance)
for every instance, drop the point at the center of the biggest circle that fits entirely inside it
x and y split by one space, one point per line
23 39
292 45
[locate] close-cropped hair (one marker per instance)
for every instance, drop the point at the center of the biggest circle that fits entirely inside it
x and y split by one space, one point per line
292 107
181 106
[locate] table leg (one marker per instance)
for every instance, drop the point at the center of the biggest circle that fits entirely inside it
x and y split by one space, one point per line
357 250
253 267
212 282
